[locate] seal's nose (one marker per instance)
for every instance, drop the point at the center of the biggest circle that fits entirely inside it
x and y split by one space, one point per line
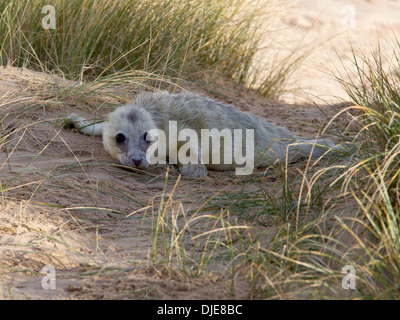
137 161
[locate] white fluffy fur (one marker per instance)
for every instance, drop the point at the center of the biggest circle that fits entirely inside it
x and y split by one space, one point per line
155 110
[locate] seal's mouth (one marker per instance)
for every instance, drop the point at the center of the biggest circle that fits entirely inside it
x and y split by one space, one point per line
140 166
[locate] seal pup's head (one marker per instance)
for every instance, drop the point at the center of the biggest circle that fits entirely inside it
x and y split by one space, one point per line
126 137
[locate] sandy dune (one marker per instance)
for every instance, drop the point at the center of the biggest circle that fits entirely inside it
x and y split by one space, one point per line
329 26
43 223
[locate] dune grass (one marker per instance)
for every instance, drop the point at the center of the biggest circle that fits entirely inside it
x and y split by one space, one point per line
169 38
376 93
358 222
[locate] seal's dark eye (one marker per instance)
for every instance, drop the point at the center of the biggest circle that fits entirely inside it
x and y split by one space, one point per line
120 137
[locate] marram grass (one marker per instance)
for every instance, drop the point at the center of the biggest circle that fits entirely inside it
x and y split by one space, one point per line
165 37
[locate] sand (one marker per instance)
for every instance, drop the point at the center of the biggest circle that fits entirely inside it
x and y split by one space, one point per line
330 28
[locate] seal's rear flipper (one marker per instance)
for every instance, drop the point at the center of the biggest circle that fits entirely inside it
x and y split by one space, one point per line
318 147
